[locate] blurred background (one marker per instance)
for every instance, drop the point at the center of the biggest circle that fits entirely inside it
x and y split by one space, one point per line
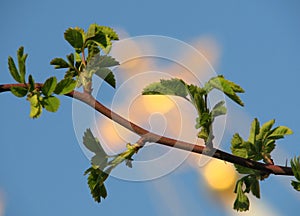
254 43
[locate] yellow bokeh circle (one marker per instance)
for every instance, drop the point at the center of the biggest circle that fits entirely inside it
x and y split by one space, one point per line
219 175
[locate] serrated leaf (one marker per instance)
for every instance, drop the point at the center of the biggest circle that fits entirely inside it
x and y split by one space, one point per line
104 61
59 63
107 75
265 128
75 37
254 131
19 91
167 87
252 184
241 202
228 87
21 63
95 35
279 132
109 32
238 146
49 86
51 103
96 180
65 86
31 83
13 69
92 144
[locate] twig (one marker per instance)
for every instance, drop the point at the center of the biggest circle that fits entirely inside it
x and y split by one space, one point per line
148 136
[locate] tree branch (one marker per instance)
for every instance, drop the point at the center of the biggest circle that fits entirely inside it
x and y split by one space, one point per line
152 137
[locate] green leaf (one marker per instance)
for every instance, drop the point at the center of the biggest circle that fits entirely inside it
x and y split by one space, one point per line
295 164
31 83
219 109
13 70
107 75
21 63
279 132
296 185
95 36
109 32
65 86
241 202
75 37
34 100
167 87
92 143
59 63
255 189
254 131
265 128
239 146
51 103
49 86
226 86
35 111
70 58
96 180
19 91
102 61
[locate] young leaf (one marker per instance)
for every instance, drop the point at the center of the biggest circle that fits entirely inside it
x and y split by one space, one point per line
21 63
49 86
13 70
226 86
279 132
239 146
167 87
59 63
31 83
75 37
241 202
35 111
19 91
265 128
95 36
65 86
109 32
51 103
218 109
254 131
92 144
107 75
96 180
102 61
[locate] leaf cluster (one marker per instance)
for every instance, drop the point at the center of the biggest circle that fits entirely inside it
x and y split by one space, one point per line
103 164
82 68
260 144
198 97
39 98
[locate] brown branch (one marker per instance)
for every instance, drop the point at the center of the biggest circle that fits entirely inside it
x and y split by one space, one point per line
152 137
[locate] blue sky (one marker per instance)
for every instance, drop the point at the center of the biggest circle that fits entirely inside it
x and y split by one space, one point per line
40 161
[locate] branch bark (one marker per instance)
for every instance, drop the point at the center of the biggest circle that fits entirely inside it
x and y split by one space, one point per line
152 137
